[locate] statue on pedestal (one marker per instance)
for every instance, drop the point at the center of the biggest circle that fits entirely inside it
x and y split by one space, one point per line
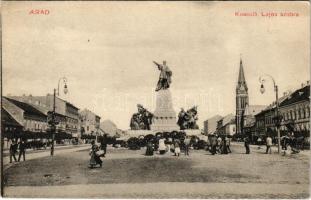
142 119
165 76
187 119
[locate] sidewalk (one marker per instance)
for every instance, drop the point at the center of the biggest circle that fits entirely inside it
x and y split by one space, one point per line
7 152
274 148
45 153
161 190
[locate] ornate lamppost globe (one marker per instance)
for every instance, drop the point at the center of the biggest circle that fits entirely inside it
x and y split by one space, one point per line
262 89
65 89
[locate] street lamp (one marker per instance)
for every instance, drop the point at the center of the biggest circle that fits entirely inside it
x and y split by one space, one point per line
53 121
65 85
277 118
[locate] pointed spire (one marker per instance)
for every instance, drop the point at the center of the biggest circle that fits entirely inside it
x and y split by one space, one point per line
241 80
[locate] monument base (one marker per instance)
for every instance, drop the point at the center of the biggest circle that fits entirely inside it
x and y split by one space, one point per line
164 115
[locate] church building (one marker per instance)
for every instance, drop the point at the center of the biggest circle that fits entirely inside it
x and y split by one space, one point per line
241 99
244 112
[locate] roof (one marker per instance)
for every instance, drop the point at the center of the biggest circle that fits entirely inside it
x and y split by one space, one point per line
28 109
7 119
272 106
301 94
227 119
70 104
217 117
254 109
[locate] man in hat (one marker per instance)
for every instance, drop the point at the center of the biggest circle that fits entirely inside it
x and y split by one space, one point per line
13 150
165 76
187 145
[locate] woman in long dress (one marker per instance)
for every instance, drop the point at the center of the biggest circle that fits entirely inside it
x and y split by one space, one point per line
162 146
95 159
149 150
177 148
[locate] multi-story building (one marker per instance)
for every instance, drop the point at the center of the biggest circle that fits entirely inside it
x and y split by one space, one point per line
226 125
32 120
249 120
295 112
10 127
294 109
72 119
89 122
210 125
66 114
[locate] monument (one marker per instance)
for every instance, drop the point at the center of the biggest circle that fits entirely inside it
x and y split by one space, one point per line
164 116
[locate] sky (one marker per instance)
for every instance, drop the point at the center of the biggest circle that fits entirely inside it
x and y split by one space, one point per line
106 49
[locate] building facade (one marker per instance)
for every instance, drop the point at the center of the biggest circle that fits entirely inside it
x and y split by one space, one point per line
249 122
89 122
295 112
294 109
226 125
66 114
32 120
210 125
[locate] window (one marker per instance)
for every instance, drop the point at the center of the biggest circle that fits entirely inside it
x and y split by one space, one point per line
303 113
291 114
308 111
299 113
295 114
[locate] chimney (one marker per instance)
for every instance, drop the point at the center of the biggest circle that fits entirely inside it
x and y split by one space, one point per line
308 82
302 85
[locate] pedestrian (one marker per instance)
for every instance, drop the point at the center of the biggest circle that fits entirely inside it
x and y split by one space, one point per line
246 144
162 146
149 150
177 148
224 145
219 144
103 145
228 144
13 150
187 145
95 159
213 144
268 144
22 150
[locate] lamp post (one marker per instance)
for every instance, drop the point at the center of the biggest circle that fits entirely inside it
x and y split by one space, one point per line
277 118
53 121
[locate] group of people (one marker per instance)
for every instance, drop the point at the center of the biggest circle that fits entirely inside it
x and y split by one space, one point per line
169 146
268 144
15 147
219 144
287 143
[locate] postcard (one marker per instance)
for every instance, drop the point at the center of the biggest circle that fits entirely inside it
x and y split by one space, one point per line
155 99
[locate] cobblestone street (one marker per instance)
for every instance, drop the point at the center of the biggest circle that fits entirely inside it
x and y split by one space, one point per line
130 174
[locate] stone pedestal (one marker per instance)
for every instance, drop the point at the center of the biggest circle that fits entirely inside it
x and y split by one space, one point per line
164 115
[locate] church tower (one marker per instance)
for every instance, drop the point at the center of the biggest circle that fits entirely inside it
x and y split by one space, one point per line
241 98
